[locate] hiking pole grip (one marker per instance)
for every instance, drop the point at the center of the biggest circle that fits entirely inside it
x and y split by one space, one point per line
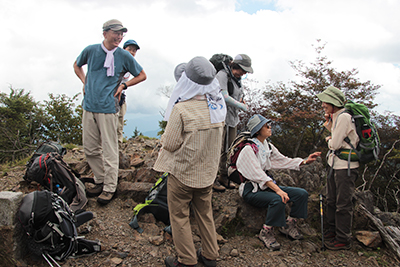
322 222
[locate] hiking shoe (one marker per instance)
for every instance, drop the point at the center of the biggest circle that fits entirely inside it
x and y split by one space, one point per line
105 197
335 244
267 235
94 191
173 262
328 235
225 182
291 230
217 187
205 261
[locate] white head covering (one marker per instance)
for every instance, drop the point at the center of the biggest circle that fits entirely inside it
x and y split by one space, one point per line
199 79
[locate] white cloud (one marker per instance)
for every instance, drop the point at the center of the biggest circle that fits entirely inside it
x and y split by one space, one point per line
42 39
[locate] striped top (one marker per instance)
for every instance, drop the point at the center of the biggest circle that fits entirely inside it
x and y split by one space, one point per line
191 144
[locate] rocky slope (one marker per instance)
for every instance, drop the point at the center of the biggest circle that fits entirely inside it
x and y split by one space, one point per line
237 224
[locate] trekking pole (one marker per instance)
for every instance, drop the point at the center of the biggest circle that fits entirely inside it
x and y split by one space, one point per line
47 257
322 222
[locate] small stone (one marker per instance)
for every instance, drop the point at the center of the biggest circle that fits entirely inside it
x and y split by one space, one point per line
234 252
156 240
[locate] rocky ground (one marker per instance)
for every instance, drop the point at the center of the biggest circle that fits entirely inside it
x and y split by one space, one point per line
239 245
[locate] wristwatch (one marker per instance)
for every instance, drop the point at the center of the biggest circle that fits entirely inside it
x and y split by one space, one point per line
125 86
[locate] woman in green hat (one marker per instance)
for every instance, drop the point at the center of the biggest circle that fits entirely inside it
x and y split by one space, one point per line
340 184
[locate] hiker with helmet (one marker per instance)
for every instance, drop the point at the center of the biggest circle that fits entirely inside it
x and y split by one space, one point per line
190 151
132 47
106 65
341 174
230 81
260 189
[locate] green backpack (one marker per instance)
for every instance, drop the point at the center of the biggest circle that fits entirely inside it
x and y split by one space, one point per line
155 203
368 147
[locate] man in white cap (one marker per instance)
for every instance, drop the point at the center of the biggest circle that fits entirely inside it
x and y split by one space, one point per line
106 65
190 152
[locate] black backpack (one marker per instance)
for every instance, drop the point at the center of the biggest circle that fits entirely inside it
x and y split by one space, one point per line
155 203
52 172
51 227
221 61
44 148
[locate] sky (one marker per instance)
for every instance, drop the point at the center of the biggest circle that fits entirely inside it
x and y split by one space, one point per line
41 39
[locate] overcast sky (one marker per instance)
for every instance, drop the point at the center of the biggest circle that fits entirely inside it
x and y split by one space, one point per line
42 38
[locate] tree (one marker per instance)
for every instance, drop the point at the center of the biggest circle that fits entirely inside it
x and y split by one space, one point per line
296 109
63 123
20 120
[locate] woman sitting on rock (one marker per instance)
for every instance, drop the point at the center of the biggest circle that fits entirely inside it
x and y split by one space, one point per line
260 189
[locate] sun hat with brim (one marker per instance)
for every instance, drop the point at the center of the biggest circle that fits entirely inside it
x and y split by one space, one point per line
131 42
255 123
179 69
332 95
200 70
114 25
244 61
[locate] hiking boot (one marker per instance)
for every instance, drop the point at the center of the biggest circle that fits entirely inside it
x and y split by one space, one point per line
173 262
205 261
267 235
94 191
335 244
228 184
105 197
217 187
328 235
291 230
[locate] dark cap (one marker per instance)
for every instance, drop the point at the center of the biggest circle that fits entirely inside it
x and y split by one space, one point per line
131 42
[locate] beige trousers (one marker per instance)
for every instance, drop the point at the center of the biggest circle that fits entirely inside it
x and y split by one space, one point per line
180 199
120 129
101 147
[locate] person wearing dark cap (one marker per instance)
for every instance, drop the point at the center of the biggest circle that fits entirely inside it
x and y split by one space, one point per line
341 176
261 190
230 80
106 65
190 151
132 47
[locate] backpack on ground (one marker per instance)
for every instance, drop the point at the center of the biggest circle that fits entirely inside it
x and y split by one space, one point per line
52 172
368 147
44 148
155 203
52 227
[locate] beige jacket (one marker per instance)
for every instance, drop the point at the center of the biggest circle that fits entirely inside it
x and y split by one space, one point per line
191 145
339 130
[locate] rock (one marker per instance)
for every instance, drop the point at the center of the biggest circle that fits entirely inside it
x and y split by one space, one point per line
137 191
124 161
156 240
234 252
116 261
369 239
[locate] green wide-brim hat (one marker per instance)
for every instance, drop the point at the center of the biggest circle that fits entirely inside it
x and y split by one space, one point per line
332 95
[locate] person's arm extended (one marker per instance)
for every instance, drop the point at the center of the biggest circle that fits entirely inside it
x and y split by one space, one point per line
230 101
